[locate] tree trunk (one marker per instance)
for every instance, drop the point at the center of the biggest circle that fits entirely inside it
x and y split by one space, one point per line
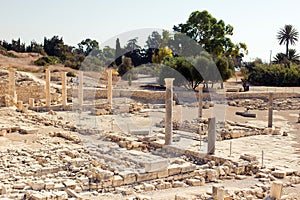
287 49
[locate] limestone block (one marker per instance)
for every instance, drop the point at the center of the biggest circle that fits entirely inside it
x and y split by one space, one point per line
70 184
271 131
279 174
144 132
37 185
61 195
38 196
106 183
99 112
19 186
157 165
174 169
248 157
104 174
49 185
129 177
177 184
187 167
163 173
193 182
146 176
72 193
117 181
59 186
148 187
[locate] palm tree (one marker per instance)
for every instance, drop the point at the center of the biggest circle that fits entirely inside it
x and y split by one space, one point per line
287 35
293 57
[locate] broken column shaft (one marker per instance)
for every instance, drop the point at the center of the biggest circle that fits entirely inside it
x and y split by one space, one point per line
211 136
48 97
80 89
63 89
109 88
169 110
270 108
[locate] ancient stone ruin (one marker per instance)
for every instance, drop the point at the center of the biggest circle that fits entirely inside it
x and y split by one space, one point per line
64 141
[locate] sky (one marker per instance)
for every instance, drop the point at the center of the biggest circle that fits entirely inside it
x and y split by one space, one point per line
255 22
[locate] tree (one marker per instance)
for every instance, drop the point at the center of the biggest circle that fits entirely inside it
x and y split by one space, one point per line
154 40
119 50
88 45
210 33
35 47
132 44
287 35
52 46
281 58
159 56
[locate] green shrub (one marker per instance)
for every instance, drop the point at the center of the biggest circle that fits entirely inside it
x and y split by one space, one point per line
47 60
275 75
71 74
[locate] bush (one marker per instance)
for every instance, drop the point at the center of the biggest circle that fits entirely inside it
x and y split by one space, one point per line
274 75
71 74
47 60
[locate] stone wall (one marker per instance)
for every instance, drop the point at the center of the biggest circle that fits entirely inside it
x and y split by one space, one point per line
180 96
24 92
34 91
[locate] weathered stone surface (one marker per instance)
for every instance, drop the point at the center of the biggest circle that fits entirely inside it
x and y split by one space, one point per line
279 174
156 165
117 180
276 189
193 182
248 157
177 184
174 169
146 176
129 177
73 194
37 185
28 130
70 184
148 187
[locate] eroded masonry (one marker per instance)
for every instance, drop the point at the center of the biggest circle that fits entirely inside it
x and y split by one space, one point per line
61 140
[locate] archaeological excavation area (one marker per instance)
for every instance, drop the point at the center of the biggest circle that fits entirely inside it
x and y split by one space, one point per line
107 139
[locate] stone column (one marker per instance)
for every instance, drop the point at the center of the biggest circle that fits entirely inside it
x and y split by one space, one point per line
80 89
48 95
270 108
12 84
109 88
31 102
276 190
169 109
200 97
64 89
211 143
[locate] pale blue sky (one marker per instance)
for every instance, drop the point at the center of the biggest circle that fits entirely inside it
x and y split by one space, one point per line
255 22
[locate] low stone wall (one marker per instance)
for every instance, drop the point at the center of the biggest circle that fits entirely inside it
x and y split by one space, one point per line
179 96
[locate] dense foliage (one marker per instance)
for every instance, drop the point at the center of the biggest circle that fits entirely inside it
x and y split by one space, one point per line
274 75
